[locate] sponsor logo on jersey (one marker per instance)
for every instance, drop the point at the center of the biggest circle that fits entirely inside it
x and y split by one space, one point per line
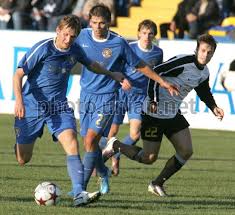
85 45
107 53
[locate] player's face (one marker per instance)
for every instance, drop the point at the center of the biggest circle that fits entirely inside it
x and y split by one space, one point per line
204 53
65 37
99 26
146 37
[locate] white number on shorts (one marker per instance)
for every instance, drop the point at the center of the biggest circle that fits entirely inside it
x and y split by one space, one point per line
98 121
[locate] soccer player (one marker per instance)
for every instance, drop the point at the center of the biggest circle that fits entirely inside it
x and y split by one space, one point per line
161 113
42 100
98 93
131 101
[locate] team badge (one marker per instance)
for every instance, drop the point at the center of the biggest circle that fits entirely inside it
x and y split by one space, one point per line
107 53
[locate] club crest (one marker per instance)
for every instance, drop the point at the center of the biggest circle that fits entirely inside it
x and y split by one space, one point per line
107 53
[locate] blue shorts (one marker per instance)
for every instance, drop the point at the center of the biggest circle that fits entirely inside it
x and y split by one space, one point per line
129 102
96 112
28 129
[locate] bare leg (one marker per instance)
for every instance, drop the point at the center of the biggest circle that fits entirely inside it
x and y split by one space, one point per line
24 152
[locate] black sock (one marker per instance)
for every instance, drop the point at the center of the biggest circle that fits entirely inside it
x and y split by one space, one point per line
172 166
130 151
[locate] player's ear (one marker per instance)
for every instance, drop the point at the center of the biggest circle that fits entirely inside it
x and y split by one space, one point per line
58 30
90 23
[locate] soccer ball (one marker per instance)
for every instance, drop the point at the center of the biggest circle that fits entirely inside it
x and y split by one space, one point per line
228 80
47 194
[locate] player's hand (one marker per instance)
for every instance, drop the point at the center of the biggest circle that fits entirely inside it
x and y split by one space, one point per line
219 113
19 109
126 85
118 76
173 90
153 107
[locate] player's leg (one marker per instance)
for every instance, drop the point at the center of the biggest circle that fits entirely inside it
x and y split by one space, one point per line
75 168
134 107
27 130
183 145
87 107
115 159
63 128
130 139
99 122
179 135
147 154
69 142
132 104
117 121
24 152
151 135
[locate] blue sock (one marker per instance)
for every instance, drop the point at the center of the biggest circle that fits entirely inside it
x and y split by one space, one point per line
76 173
103 142
128 141
99 165
89 161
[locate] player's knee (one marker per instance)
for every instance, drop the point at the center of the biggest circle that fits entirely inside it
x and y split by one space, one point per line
149 159
73 146
187 154
135 136
90 142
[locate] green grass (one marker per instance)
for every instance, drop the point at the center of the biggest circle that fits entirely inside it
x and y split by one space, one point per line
206 185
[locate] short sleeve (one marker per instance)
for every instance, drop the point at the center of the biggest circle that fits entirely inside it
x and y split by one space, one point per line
32 58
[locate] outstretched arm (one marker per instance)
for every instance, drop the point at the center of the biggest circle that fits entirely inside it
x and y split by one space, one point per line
117 76
218 112
204 93
146 70
17 85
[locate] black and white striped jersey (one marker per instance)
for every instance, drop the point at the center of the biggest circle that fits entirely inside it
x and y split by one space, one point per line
186 74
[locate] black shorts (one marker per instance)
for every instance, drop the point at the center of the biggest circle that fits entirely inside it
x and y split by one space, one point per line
152 129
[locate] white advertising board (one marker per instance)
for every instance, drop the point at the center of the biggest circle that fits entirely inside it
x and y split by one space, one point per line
194 110
14 44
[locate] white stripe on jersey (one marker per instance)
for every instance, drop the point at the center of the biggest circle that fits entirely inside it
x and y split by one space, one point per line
181 71
37 49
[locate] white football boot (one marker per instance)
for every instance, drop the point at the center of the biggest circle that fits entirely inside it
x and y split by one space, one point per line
85 198
157 190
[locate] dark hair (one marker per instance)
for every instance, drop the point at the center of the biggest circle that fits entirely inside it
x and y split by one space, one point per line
206 38
147 23
70 21
100 10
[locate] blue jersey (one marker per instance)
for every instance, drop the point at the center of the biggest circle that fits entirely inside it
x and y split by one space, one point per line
48 70
152 57
112 52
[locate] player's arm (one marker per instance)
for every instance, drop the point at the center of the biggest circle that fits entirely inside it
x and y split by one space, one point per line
117 76
17 86
204 92
146 70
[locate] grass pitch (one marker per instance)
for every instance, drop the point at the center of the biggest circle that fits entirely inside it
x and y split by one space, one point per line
205 185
